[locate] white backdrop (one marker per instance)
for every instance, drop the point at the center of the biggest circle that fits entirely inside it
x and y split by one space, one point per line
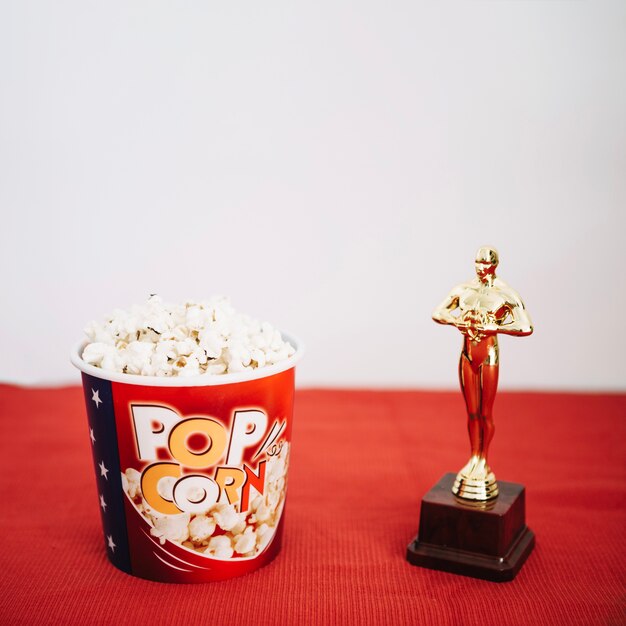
331 166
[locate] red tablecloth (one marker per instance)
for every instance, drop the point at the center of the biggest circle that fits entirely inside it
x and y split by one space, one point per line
361 462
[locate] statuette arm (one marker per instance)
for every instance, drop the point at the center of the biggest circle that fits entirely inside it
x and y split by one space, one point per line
443 313
517 322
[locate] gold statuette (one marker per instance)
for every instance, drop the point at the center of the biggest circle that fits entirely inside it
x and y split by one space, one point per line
481 309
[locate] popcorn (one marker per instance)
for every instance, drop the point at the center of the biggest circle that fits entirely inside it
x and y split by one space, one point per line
226 516
172 527
201 528
244 534
240 526
263 513
245 542
131 482
264 536
159 339
220 547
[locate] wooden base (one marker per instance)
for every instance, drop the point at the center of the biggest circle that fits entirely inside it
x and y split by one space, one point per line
488 540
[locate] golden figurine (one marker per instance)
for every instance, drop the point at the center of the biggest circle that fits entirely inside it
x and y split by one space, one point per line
481 309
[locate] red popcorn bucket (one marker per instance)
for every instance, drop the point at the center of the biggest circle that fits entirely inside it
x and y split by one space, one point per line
191 471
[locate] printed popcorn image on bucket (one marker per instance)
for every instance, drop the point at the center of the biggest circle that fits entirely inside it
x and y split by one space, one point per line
191 467
219 529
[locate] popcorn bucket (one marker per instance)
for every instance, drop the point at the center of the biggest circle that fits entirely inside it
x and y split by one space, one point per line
191 471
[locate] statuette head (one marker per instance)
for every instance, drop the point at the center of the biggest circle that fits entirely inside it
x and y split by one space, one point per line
486 263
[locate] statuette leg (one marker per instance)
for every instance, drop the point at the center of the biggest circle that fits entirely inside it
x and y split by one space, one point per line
476 481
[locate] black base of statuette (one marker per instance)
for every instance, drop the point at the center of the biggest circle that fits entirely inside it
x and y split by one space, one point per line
488 540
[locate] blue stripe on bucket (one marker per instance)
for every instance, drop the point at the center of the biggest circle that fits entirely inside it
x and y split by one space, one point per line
106 460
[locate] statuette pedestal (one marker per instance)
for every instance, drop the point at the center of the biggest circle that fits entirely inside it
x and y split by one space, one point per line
488 540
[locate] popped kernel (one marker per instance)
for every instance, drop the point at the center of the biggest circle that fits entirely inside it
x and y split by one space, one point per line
132 479
201 528
245 542
226 516
220 547
172 527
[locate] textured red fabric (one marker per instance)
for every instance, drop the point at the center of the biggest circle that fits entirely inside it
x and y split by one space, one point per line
361 462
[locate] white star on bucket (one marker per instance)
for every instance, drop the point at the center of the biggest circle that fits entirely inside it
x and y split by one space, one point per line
103 470
95 396
103 504
110 542
92 436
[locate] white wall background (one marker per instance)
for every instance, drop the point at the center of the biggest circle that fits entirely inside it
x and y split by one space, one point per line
331 166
